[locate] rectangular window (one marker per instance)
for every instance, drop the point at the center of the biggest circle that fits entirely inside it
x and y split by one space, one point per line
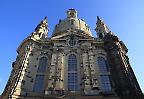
106 86
72 81
42 65
39 83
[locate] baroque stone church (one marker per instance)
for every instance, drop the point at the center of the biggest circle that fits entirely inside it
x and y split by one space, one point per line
72 64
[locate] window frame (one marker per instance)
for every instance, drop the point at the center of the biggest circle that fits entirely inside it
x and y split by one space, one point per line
72 82
104 74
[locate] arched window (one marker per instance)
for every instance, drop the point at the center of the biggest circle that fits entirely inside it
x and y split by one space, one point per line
104 77
102 65
42 65
39 83
72 73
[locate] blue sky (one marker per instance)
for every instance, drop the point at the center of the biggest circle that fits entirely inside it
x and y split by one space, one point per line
18 18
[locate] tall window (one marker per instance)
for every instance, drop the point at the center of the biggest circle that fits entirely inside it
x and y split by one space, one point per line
102 65
72 73
39 83
104 77
42 65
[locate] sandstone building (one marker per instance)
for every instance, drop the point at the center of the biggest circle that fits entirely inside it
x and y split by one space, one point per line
72 64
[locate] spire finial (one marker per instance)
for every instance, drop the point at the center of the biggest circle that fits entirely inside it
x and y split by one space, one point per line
101 28
98 18
42 24
45 18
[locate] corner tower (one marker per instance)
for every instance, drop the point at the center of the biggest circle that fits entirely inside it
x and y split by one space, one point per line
41 31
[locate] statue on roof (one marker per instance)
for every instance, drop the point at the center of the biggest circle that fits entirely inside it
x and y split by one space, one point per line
41 30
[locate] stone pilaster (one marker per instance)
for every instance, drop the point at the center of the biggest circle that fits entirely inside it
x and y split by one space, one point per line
93 74
59 72
51 80
86 76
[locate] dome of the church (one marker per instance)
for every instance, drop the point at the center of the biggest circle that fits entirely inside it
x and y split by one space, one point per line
72 22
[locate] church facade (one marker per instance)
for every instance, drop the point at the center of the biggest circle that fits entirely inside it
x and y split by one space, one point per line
72 64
